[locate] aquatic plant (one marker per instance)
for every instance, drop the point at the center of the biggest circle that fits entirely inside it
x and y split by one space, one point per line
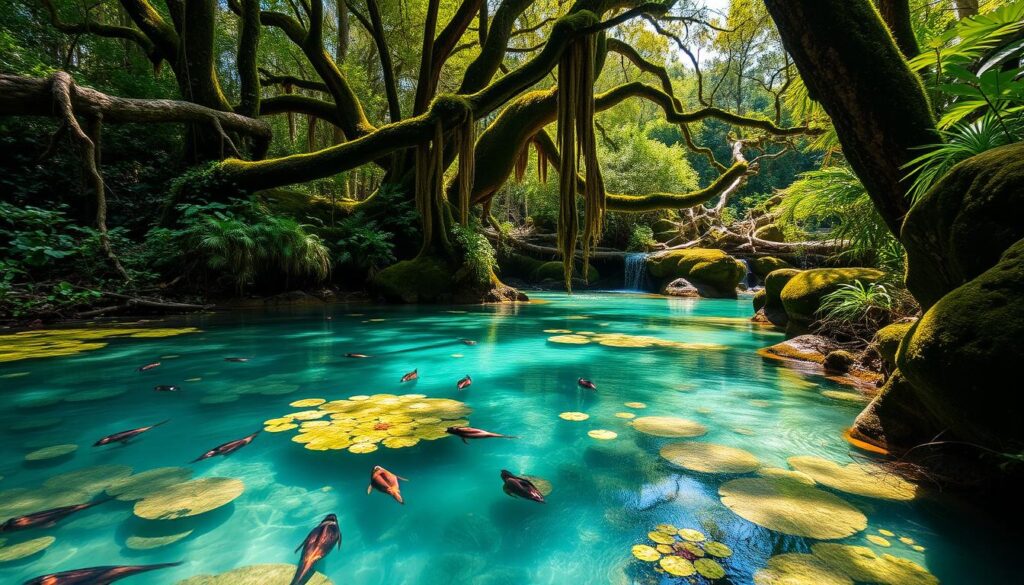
42 343
270 574
666 426
189 498
709 458
683 552
21 550
792 507
862 479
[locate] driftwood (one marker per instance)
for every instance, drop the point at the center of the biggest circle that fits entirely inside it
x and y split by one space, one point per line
131 302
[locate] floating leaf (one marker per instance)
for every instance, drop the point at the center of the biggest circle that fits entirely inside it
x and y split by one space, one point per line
40 343
140 485
14 552
906 540
885 532
151 542
693 549
560 331
280 428
667 528
399 442
677 566
874 539
792 507
634 405
799 569
90 479
569 339
661 537
862 479
625 415
665 549
20 501
786 474
190 498
645 552
918 548
277 574
691 535
602 434
306 402
709 458
860 563
574 416
709 568
52 452
363 448
668 426
717 549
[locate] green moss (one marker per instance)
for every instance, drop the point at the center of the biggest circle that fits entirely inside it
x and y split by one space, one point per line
770 232
887 341
422 280
764 265
759 300
518 265
802 295
963 356
774 282
554 271
961 227
839 361
713 272
895 419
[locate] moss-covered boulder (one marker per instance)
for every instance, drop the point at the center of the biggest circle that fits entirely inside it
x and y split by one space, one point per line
963 356
762 266
962 226
713 272
774 282
887 341
554 271
424 279
759 299
802 295
770 232
895 419
518 265
839 361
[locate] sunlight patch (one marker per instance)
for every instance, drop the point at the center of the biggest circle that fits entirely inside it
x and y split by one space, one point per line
574 416
277 574
792 507
862 479
51 452
25 549
799 569
668 426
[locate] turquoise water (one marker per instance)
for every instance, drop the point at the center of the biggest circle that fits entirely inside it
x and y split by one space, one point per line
456 525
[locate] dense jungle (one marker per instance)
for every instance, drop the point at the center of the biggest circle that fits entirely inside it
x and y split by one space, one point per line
739 279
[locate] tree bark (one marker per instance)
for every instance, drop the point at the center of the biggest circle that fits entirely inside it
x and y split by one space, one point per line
896 15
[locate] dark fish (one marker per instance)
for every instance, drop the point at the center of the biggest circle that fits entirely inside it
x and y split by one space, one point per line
471 433
468 341
125 436
46 518
227 448
166 388
516 486
356 355
96 575
236 359
464 383
147 367
413 375
320 541
584 383
383 480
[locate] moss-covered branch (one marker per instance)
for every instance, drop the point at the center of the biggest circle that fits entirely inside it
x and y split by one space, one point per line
376 31
655 201
248 47
90 26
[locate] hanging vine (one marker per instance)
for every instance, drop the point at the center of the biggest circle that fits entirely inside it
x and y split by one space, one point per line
466 145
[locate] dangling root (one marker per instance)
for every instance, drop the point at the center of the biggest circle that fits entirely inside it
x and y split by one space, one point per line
429 189
522 161
542 165
466 139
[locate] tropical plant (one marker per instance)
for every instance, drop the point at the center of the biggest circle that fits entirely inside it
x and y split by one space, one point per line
641 239
363 244
478 257
856 309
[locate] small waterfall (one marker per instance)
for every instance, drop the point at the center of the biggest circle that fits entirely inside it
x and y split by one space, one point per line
749 279
636 272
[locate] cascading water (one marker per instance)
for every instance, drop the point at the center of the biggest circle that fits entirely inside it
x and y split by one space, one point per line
749 279
636 272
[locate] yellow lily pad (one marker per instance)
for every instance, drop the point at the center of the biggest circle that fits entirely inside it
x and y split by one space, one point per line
885 532
875 539
574 416
569 339
661 537
691 535
677 566
906 540
645 552
918 548
307 402
14 552
308 414
709 458
862 479
799 569
602 434
41 343
276 574
860 563
665 549
190 498
693 549
625 415
717 549
636 405
668 426
709 568
89 479
151 542
143 484
21 501
280 428
363 447
399 442
52 452
786 474
792 507
667 528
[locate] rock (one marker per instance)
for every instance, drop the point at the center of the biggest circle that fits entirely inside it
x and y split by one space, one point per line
773 285
895 419
762 266
962 226
664 225
713 272
801 297
839 361
292 298
665 237
425 279
887 340
760 318
770 232
517 265
805 348
963 356
680 287
554 271
760 297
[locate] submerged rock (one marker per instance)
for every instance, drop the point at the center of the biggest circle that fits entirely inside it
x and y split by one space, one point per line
713 272
680 287
805 348
802 294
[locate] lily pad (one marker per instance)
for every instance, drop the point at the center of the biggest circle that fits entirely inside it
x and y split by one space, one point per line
677 566
661 537
792 507
276 574
709 568
668 426
799 569
190 498
709 458
151 542
14 552
717 549
885 532
307 402
634 405
574 416
786 474
880 541
602 434
860 563
646 553
90 479
569 339
691 535
862 479
625 415
149 482
52 452
21 501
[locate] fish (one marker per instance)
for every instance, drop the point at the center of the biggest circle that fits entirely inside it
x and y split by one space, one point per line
468 341
166 388
236 359
317 544
356 355
516 486
125 436
585 383
96 575
471 433
413 375
227 448
383 480
46 518
147 367
464 383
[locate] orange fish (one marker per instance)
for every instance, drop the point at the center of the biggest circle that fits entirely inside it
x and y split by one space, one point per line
147 367
516 486
318 543
356 355
46 518
413 375
96 575
471 433
227 448
464 383
125 436
384 481
584 383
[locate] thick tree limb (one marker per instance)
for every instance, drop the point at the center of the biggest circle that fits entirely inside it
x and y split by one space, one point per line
386 65
248 72
89 26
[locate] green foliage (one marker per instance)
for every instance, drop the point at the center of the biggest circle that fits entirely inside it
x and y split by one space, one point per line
478 257
363 244
972 39
641 239
638 165
857 303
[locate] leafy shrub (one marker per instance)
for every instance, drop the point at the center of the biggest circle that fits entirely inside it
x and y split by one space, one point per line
363 244
477 254
642 239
